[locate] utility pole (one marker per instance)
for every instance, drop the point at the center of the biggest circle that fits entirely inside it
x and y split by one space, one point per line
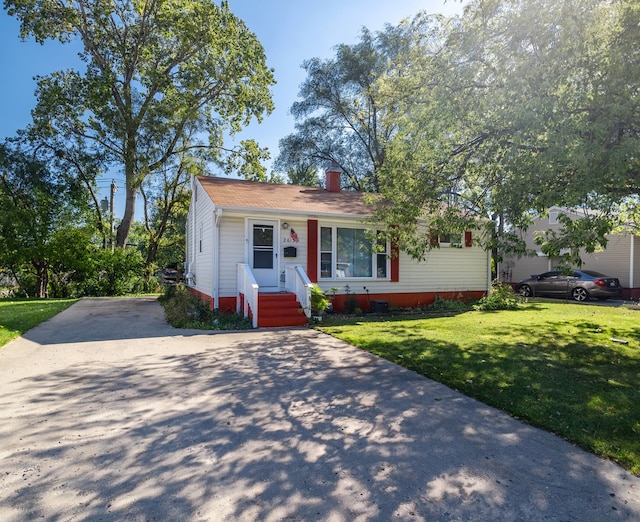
114 188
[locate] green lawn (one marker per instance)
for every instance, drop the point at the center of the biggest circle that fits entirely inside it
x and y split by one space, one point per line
554 365
19 315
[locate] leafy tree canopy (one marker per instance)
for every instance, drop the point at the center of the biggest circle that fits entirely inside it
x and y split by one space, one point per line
163 80
514 107
32 218
339 116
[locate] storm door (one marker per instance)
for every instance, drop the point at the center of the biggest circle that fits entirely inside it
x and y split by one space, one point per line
263 254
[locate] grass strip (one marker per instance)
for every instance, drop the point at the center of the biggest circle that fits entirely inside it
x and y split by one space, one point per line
19 315
558 366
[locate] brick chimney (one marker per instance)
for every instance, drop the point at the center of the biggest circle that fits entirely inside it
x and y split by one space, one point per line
332 178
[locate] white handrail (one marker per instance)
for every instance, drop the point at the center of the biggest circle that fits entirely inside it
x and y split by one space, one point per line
297 281
247 285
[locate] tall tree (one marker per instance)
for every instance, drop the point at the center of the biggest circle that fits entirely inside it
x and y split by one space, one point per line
339 117
36 206
166 203
163 79
517 106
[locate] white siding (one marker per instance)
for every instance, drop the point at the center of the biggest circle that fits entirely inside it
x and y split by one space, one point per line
232 252
445 269
201 235
234 245
613 261
300 227
522 268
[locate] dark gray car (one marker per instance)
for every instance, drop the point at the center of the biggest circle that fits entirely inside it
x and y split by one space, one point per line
579 285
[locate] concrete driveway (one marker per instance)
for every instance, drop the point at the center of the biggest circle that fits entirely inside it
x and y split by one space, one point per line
108 413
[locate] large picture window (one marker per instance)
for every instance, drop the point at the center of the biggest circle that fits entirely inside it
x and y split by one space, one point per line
349 253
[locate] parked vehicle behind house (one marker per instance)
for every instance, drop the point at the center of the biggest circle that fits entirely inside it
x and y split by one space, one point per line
579 285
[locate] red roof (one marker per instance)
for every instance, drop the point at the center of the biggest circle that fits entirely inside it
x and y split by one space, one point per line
242 194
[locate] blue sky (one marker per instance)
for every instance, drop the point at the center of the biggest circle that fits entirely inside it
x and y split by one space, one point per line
291 31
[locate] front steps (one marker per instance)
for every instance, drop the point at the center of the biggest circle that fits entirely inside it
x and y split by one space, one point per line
280 309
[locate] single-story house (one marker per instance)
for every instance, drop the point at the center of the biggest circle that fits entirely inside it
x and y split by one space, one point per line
259 247
620 258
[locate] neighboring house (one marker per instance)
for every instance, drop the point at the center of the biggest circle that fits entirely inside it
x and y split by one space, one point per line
259 247
620 259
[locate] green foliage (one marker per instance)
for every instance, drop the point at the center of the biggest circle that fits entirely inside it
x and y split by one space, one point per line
440 304
513 108
163 86
304 174
588 234
184 309
553 365
20 315
113 273
37 205
350 300
501 297
339 117
45 242
161 237
319 301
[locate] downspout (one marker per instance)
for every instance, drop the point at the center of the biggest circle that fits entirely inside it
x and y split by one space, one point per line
631 259
216 260
190 239
488 271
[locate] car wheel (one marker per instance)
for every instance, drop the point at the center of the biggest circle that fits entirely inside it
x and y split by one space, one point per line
579 294
525 291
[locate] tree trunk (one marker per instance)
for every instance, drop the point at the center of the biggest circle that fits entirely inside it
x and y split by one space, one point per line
152 251
127 219
42 279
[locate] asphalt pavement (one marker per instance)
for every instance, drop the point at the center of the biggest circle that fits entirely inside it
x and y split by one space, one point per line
108 413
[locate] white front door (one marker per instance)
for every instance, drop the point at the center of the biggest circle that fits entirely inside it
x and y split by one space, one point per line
263 252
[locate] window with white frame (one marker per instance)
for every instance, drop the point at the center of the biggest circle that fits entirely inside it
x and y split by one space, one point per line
450 240
326 252
382 259
350 253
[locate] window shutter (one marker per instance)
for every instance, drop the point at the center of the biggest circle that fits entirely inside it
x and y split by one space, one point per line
312 250
433 237
395 262
468 239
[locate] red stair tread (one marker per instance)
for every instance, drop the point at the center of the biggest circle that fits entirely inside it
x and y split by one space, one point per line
280 309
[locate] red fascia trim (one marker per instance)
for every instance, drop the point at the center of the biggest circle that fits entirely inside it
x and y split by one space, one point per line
312 250
406 299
